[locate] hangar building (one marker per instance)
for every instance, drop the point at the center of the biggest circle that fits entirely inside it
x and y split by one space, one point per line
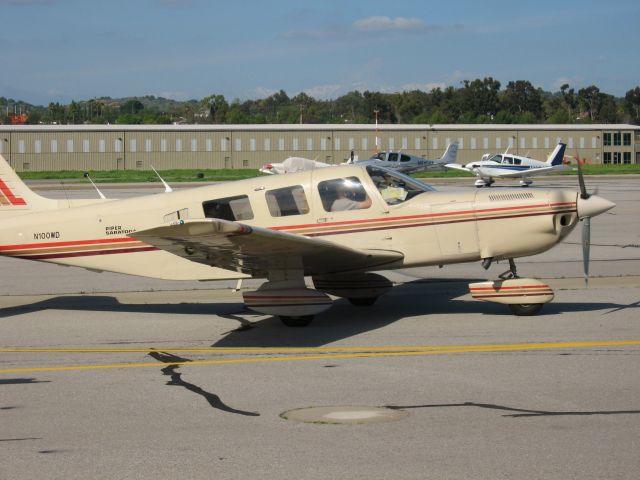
120 147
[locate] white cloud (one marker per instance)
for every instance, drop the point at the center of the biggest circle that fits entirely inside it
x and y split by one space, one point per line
180 96
380 24
323 92
262 92
425 87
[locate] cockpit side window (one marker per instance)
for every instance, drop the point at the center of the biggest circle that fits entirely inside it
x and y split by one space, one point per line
393 187
229 208
405 158
343 194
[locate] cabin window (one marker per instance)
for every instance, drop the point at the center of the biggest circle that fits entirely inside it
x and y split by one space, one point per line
229 208
517 161
283 202
393 157
404 158
343 194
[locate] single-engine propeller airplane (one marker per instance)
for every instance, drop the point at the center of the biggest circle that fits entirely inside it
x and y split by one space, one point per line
336 225
399 161
511 166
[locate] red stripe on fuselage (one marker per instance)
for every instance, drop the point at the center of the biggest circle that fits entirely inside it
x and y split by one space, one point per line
10 196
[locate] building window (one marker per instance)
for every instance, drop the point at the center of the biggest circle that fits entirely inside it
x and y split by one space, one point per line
351 143
546 142
133 145
147 145
392 143
594 142
54 146
365 143
309 143
238 144
70 146
606 139
38 146
116 145
460 143
208 145
473 143
178 144
570 142
485 143
534 142
102 146
323 144
281 144
434 143
224 144
295 144
163 145
607 157
626 157
511 142
337 143
581 142
85 145
626 139
523 142
405 143
252 144
267 144
194 144
617 138
20 146
416 143
617 157
498 142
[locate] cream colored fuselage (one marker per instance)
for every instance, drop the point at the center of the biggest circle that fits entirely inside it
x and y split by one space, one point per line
433 228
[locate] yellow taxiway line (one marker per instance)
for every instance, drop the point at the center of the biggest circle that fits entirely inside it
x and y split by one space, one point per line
319 353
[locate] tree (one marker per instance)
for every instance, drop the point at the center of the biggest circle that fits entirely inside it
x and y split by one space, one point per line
632 104
590 100
521 96
132 106
217 107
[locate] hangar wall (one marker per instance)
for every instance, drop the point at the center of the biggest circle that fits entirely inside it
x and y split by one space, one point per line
137 147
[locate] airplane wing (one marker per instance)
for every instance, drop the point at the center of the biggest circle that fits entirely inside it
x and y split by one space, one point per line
457 166
256 250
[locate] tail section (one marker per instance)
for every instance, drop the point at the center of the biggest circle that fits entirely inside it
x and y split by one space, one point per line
450 154
557 155
15 197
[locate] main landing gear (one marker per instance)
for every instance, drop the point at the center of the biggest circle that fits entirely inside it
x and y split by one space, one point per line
524 296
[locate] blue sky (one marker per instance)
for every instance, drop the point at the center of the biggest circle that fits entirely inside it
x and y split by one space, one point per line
62 50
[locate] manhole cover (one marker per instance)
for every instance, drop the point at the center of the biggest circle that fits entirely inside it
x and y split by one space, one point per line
344 415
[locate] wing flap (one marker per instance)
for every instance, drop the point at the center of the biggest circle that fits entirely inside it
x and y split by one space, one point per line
256 250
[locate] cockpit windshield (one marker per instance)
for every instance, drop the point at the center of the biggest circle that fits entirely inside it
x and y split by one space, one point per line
396 187
496 158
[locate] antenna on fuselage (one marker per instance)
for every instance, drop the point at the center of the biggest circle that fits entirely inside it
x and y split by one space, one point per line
167 188
86 175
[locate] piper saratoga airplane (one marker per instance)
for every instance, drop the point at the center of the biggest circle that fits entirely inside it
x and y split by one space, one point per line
399 161
512 166
336 225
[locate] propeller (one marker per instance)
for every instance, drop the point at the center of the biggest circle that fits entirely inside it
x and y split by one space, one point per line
586 224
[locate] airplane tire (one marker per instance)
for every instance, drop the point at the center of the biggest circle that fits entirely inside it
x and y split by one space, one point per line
301 321
526 310
363 302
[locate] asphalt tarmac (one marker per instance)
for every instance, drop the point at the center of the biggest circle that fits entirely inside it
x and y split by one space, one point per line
107 376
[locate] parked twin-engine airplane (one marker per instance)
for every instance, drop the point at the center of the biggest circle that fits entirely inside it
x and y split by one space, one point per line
336 225
399 161
512 166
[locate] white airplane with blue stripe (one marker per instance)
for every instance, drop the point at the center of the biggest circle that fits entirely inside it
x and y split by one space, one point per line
503 165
